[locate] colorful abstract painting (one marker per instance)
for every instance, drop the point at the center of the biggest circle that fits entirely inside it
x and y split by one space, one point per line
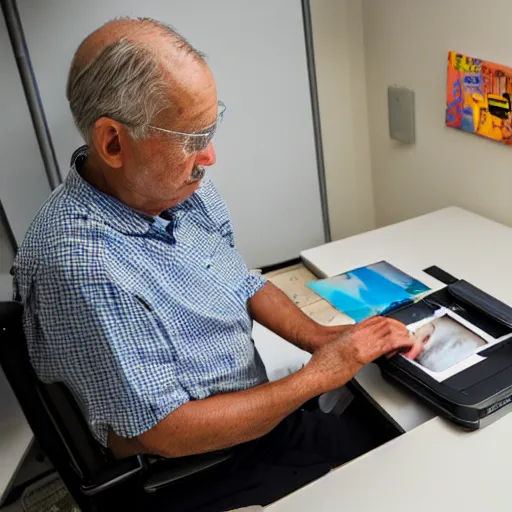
479 97
369 291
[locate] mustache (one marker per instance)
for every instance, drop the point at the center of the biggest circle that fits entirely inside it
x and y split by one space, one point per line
197 174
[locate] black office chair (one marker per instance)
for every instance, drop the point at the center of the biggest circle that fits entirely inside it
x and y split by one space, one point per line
92 475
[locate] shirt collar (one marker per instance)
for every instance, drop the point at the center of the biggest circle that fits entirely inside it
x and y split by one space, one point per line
112 211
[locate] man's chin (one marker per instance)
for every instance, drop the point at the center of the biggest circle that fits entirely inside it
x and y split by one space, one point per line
186 191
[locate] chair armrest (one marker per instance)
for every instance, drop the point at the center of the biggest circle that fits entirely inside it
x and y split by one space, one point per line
167 471
114 474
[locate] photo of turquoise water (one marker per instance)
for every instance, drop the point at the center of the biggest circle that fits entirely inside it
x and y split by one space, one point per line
369 291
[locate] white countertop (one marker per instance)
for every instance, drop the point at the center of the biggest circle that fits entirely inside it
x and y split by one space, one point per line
436 467
461 243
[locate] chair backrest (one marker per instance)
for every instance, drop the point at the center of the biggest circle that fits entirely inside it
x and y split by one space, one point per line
50 409
58 424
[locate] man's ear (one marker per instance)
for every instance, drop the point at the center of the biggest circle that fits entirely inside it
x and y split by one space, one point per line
108 137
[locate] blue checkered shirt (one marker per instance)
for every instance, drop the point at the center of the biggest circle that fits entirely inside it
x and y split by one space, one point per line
136 315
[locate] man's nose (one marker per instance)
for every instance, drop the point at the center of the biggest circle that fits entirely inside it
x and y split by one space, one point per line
207 157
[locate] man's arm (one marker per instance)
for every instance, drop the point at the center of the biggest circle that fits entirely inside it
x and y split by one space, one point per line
229 419
226 420
273 309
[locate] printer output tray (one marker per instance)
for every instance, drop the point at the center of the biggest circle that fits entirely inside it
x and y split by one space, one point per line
480 390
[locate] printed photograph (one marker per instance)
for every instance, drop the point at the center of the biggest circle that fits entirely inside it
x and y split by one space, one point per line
369 291
446 343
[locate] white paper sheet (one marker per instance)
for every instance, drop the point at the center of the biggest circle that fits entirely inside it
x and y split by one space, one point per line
441 351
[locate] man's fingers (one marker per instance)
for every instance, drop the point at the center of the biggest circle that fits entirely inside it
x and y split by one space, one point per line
408 344
415 350
372 322
397 324
392 354
399 343
399 336
392 325
387 336
382 331
400 340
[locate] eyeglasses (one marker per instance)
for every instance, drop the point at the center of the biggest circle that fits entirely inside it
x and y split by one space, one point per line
193 143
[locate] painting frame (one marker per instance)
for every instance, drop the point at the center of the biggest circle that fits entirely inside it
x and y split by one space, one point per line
479 97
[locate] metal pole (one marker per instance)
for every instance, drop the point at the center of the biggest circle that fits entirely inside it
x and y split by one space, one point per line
310 54
19 46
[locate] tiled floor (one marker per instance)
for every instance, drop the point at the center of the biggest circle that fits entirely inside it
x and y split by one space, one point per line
32 468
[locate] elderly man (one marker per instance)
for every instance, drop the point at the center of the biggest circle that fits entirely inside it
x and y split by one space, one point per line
137 299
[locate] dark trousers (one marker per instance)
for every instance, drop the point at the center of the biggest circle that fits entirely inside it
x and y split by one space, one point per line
302 448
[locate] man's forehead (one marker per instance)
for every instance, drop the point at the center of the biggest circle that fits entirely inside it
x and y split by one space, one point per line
183 70
192 95
191 86
117 30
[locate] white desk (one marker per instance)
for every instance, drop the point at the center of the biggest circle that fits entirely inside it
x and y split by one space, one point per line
15 434
434 467
279 357
464 244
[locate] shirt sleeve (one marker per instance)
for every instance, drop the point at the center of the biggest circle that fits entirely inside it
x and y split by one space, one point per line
254 282
105 344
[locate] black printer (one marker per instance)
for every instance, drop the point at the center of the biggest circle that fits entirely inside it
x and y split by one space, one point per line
471 395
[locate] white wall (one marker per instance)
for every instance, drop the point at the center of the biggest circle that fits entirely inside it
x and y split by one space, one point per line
266 166
339 54
6 252
407 43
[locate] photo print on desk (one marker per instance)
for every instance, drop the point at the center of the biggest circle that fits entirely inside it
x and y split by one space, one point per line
370 291
446 343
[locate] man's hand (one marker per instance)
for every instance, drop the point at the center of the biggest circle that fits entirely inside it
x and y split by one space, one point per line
359 345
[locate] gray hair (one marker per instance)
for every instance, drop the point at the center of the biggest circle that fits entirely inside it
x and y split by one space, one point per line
125 82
